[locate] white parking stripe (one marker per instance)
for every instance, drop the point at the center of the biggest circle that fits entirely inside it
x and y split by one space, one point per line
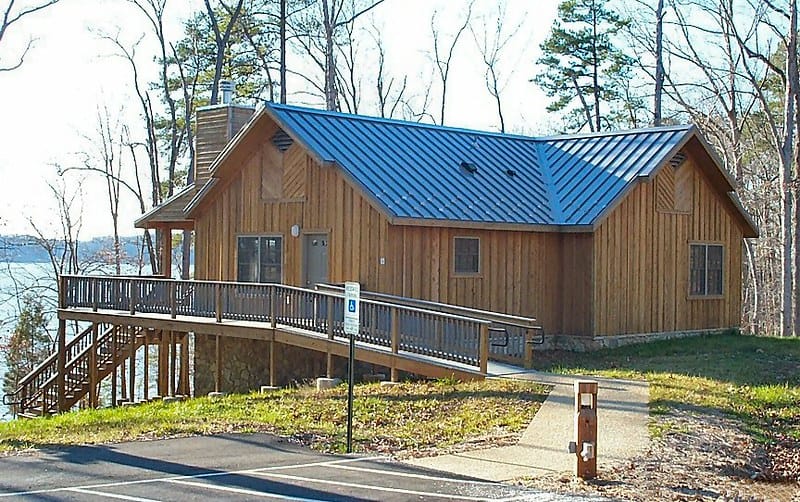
411 475
241 491
110 495
193 476
367 487
317 464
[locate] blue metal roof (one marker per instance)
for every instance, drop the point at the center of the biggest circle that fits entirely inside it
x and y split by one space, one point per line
415 170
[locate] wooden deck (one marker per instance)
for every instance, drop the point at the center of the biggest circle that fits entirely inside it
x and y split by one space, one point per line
435 341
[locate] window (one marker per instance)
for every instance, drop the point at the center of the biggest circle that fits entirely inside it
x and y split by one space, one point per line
259 259
467 253
705 270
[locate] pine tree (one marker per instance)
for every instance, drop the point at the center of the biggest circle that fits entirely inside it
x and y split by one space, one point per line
29 344
582 64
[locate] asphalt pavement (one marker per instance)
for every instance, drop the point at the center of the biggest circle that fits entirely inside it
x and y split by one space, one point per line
233 467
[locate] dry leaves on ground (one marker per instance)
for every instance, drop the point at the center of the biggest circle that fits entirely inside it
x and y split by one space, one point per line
698 457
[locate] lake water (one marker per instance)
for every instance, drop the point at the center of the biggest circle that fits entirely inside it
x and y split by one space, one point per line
17 279
39 277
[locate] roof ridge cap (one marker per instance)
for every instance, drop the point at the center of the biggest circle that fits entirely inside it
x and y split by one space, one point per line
618 132
400 122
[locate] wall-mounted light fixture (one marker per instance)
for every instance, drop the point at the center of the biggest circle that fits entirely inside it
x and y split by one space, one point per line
295 230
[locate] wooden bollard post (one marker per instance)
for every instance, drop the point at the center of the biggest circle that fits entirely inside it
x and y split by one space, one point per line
585 445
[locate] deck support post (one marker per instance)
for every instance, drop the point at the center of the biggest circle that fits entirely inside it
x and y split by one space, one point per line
272 378
114 333
173 359
395 342
132 366
184 378
93 368
218 369
62 366
146 370
484 348
329 328
163 389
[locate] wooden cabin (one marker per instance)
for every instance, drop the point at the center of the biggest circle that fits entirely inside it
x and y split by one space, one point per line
596 235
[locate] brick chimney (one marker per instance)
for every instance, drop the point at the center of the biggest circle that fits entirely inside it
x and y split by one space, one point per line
216 126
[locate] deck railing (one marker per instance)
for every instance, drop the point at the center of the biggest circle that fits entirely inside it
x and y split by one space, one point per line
401 328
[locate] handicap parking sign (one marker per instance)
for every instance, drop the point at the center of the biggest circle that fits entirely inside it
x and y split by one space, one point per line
352 292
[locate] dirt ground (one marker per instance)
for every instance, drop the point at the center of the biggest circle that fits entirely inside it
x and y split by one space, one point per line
698 457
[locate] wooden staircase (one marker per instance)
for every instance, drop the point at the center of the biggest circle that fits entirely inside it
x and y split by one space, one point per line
90 357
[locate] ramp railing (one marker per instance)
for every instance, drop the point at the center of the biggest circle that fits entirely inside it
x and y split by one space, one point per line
409 329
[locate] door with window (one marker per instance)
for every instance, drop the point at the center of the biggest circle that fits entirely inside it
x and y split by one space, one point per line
315 259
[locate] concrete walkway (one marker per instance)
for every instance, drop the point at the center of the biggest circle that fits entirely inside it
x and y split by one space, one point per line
622 431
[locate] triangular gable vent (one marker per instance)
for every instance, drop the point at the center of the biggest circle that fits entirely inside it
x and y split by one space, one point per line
677 160
282 141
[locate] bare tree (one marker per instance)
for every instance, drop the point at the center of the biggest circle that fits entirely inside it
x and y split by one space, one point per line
659 71
150 145
781 20
388 102
318 36
443 55
12 16
221 37
490 45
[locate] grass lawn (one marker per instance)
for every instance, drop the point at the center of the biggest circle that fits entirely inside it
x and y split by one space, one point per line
411 416
753 379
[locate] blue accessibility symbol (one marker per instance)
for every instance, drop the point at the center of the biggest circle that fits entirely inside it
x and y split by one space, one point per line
351 306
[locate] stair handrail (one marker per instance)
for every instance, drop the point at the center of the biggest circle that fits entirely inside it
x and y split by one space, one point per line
51 360
82 354
52 380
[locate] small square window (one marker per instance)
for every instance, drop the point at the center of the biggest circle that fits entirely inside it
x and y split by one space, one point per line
705 269
467 255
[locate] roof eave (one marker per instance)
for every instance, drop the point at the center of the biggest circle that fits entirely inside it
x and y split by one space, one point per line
149 219
490 225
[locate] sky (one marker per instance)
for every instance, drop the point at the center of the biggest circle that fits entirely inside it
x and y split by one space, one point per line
49 106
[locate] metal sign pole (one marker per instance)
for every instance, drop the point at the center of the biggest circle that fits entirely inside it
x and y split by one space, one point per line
351 374
352 292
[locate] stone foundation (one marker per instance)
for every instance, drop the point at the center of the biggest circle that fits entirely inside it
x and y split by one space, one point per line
587 344
245 365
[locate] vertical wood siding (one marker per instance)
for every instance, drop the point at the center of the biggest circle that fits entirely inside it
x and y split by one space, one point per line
522 273
641 260
317 198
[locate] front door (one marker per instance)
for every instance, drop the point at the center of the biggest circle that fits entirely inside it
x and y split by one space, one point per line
315 259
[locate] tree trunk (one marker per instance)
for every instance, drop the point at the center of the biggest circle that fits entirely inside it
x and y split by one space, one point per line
283 51
788 149
755 315
331 98
595 70
659 74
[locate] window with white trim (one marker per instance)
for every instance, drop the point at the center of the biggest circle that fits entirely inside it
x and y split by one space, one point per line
259 259
466 255
705 269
